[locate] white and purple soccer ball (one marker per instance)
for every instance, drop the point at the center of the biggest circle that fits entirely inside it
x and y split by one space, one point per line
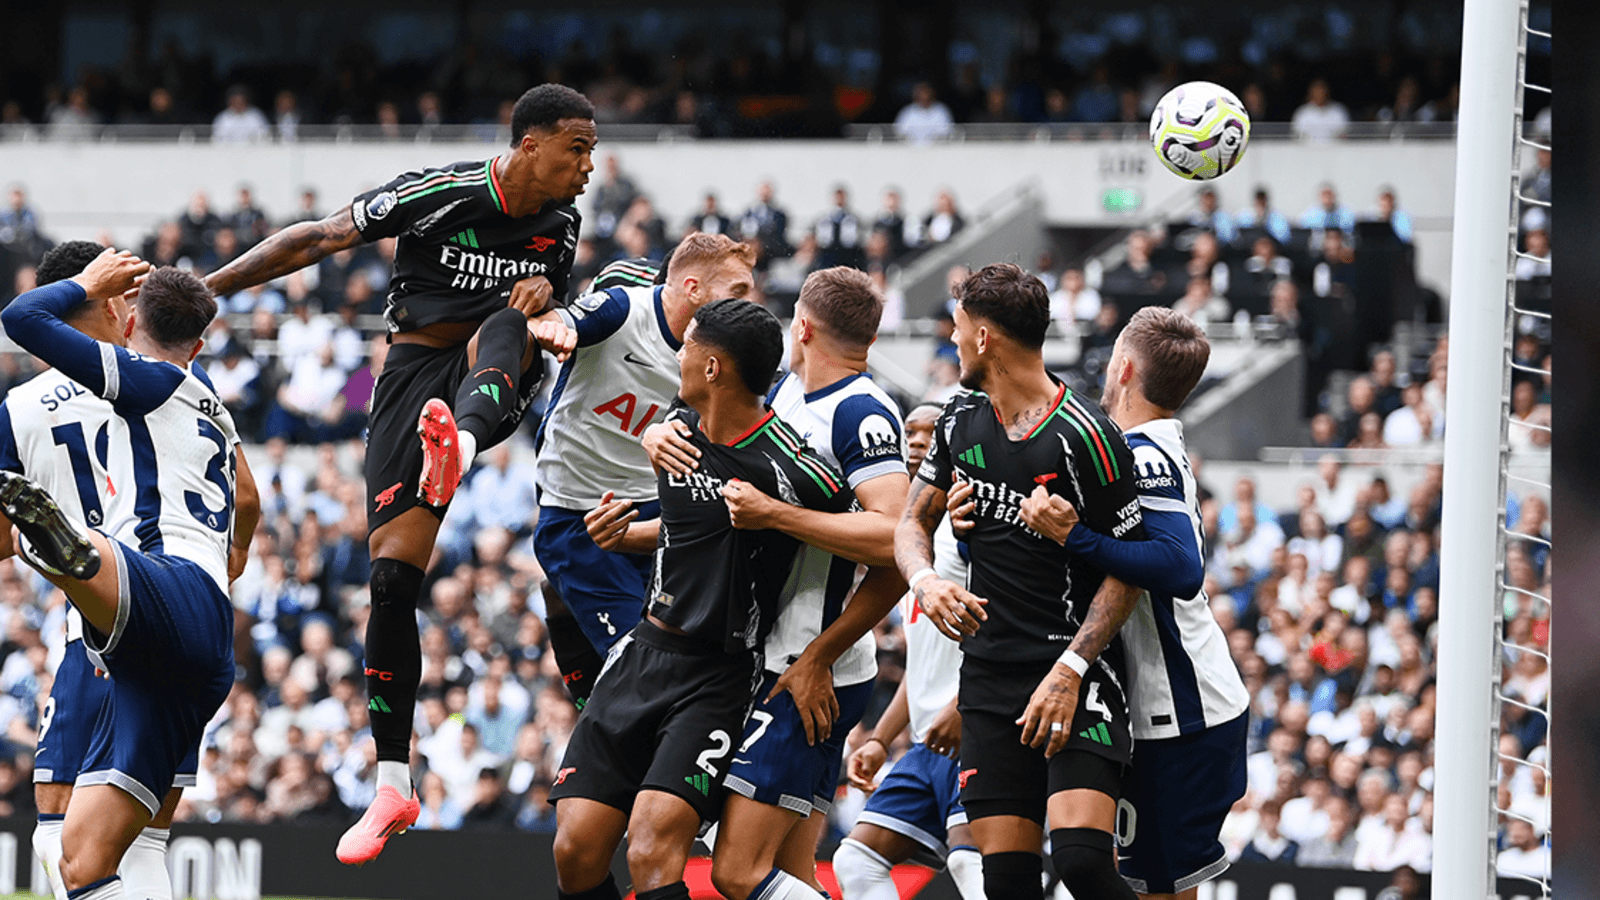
1199 130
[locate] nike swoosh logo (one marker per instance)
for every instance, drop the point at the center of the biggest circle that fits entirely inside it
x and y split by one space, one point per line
636 360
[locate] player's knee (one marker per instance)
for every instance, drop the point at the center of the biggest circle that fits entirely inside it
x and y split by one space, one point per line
1014 874
858 867
1085 863
577 860
84 868
650 851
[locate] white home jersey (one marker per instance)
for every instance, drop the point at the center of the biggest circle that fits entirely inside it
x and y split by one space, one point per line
855 426
933 661
1183 677
71 443
619 381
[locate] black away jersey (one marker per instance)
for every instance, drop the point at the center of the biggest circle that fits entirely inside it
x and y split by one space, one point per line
1038 591
720 584
458 252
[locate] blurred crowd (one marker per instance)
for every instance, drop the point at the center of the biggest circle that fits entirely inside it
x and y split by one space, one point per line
796 73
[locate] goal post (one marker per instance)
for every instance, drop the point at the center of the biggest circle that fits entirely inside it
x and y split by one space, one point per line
1483 241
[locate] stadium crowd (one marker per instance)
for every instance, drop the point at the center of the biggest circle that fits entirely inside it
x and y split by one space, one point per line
1329 598
1319 72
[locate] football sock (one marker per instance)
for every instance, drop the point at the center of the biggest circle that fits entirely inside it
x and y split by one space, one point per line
393 658
577 659
1014 875
605 890
488 395
965 865
47 849
674 891
144 866
780 885
395 774
863 873
109 888
1086 864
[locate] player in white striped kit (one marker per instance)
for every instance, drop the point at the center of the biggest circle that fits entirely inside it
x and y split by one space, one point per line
916 813
1188 703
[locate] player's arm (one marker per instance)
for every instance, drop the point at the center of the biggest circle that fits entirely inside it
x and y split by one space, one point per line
866 536
37 320
862 767
290 249
246 515
1167 561
612 526
954 610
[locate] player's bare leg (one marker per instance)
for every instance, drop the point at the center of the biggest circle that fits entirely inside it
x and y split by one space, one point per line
587 835
1083 844
744 861
102 822
797 855
661 833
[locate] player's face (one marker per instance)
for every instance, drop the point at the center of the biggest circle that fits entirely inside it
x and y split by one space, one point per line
973 368
919 437
563 158
1113 390
731 278
692 358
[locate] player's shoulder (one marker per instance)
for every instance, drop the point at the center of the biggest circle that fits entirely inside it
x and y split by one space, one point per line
635 272
966 407
456 184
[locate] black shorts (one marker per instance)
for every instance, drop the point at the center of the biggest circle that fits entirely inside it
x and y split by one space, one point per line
412 375
664 716
1001 776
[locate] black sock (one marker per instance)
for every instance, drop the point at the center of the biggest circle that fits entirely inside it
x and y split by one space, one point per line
1016 874
674 891
577 659
488 396
1084 859
394 656
605 890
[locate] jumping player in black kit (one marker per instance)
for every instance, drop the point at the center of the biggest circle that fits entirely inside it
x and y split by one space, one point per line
651 748
485 248
1042 668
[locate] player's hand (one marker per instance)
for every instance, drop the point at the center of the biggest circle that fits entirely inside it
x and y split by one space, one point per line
668 446
238 558
608 523
944 735
811 685
750 508
861 769
531 296
955 611
961 505
113 273
1049 514
553 336
1048 718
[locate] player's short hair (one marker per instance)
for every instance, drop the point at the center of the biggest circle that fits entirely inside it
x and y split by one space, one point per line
544 107
65 260
1012 299
926 406
845 302
175 307
748 334
1172 351
701 249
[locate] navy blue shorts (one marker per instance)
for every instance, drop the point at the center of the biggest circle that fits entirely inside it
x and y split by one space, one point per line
604 590
67 725
1174 800
170 655
774 765
921 799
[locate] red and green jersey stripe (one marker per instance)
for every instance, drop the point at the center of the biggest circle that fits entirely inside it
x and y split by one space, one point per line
494 185
1105 462
796 449
438 182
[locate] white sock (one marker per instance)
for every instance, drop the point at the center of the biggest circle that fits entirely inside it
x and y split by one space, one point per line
144 867
780 885
47 850
966 870
395 774
863 873
469 448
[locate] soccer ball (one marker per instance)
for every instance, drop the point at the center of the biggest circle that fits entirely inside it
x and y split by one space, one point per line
1199 130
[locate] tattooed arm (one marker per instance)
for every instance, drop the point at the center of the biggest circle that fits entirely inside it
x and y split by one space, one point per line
955 611
295 247
1111 606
